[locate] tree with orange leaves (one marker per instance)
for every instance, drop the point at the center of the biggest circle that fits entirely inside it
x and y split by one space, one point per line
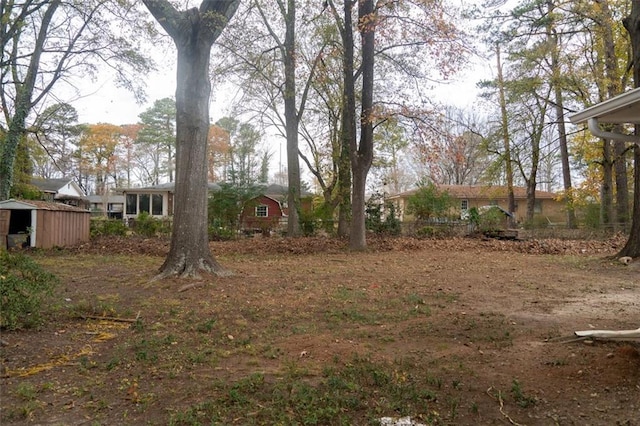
97 156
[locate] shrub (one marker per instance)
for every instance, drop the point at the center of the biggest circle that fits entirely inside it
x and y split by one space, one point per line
308 222
220 233
491 220
426 232
148 226
101 227
428 202
381 216
23 287
592 216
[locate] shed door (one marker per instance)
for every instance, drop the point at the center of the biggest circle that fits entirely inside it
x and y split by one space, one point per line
5 215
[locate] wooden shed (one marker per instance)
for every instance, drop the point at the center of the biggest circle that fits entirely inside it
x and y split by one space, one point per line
42 224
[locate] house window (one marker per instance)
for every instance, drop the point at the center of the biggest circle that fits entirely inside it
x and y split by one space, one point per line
464 205
262 211
143 200
132 204
537 207
156 204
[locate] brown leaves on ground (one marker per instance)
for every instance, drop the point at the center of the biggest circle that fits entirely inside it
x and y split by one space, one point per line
309 245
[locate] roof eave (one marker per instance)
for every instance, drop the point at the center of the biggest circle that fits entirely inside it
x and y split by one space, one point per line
620 109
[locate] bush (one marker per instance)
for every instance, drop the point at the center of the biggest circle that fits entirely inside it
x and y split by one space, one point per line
217 232
102 227
592 216
429 203
426 232
148 226
23 287
491 220
381 216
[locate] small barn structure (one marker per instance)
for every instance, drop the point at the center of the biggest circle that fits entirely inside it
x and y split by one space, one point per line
42 224
262 213
269 211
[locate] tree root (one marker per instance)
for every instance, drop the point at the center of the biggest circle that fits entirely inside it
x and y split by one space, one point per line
180 269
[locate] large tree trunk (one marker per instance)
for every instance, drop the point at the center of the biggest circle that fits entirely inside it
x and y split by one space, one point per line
508 165
362 155
632 24
632 247
611 161
606 190
348 127
556 71
190 251
291 122
22 105
193 32
622 184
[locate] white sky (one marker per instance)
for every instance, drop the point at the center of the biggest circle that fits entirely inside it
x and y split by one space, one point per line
103 102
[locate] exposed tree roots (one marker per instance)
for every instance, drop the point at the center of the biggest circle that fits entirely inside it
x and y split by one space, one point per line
194 270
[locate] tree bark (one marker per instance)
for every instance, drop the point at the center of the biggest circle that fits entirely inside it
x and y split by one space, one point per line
23 105
193 32
606 190
291 121
362 155
614 166
348 126
632 24
506 141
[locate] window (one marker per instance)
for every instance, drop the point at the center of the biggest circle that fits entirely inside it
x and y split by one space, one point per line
156 204
262 211
537 207
464 204
132 204
143 199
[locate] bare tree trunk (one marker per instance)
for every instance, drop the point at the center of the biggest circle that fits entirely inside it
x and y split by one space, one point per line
606 190
348 127
24 92
362 155
552 35
622 184
511 200
193 32
632 24
610 160
291 121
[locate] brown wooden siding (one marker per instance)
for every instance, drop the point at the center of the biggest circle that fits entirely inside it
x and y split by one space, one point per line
61 228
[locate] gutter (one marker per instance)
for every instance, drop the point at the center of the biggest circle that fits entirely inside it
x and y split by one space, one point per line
594 127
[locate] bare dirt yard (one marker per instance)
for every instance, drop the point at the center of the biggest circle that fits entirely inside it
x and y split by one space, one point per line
448 332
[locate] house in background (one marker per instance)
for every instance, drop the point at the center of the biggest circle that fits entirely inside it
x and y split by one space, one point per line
63 190
111 206
270 210
155 200
547 207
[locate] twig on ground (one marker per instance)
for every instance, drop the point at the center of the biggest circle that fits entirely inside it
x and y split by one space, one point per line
115 319
499 399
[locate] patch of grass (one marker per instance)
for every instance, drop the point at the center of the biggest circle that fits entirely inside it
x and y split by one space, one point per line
26 391
521 399
206 326
351 315
357 392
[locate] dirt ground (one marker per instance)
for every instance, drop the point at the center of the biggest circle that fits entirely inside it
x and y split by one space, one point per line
480 321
